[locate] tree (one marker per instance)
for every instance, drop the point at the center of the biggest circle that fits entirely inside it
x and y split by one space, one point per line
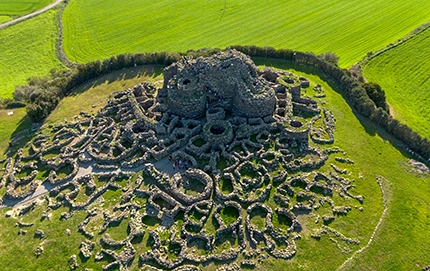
330 57
377 94
23 93
35 112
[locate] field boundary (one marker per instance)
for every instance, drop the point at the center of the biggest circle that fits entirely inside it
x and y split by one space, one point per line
386 191
358 68
360 73
59 48
31 15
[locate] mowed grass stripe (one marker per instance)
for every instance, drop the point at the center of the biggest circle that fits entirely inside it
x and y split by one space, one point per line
404 74
98 29
27 49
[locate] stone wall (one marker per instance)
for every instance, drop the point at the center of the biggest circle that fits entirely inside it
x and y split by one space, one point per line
218 132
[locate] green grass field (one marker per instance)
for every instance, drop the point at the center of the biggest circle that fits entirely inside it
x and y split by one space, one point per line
21 7
400 244
348 28
4 18
404 74
27 49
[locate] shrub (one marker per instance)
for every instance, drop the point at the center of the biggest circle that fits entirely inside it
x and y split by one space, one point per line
35 112
377 95
43 101
23 93
330 57
4 102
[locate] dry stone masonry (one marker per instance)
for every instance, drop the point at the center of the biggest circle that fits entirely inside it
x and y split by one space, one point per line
214 167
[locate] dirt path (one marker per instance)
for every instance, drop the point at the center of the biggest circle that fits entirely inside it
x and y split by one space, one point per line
31 15
163 165
166 166
386 198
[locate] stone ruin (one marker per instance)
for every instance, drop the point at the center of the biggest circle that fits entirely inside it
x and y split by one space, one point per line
230 81
245 135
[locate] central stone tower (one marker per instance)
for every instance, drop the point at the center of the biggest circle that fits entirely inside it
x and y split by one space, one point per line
229 80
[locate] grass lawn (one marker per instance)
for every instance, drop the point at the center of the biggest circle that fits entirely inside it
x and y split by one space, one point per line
27 49
20 254
21 7
404 74
348 28
4 18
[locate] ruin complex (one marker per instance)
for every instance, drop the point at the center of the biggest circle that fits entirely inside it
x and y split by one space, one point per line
215 167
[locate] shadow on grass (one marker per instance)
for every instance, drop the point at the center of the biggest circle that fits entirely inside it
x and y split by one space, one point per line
83 258
21 136
121 75
371 128
23 124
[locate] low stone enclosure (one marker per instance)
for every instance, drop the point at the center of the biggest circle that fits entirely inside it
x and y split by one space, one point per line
251 149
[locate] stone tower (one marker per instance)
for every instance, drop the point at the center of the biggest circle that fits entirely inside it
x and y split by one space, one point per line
228 79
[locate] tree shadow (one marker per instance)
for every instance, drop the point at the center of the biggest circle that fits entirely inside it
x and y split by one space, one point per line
23 133
370 127
23 125
120 75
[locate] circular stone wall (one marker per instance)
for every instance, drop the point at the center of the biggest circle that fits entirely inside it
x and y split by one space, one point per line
218 132
185 99
297 127
251 105
215 113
